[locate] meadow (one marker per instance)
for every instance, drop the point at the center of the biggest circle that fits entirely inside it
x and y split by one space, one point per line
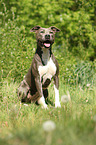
75 121
28 124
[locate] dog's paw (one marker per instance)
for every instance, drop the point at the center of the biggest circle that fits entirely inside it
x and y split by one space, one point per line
41 101
57 104
45 106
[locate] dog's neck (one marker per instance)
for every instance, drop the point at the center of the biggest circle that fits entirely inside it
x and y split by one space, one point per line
44 54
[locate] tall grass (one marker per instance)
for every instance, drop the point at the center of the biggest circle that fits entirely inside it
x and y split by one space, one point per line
74 121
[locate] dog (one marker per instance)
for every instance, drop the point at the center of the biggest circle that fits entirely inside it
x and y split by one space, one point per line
44 68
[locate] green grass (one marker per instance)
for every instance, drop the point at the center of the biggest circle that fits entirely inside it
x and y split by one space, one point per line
22 125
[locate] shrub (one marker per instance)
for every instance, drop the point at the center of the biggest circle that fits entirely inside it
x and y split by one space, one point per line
16 52
76 19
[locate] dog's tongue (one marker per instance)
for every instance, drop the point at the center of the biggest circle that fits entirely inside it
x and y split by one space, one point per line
47 44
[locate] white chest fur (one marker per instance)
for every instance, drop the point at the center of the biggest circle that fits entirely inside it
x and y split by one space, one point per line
47 71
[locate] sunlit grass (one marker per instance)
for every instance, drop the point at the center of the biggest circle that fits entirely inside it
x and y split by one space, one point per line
23 123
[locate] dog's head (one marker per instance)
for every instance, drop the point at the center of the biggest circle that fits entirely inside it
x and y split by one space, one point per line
45 36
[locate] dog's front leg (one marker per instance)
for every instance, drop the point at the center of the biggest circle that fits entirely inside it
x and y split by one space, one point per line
41 100
56 88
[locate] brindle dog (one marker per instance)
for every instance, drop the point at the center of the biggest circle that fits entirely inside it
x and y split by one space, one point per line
44 67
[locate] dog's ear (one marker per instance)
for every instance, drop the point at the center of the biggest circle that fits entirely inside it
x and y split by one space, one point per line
34 29
53 28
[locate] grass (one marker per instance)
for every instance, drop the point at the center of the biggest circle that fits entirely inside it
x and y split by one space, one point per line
22 124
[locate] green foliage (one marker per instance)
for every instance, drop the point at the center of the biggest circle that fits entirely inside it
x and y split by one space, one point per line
75 18
16 52
82 73
74 71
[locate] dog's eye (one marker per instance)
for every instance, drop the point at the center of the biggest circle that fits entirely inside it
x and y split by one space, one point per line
42 32
51 32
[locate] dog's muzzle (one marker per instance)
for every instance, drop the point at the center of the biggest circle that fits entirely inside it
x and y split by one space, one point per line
46 44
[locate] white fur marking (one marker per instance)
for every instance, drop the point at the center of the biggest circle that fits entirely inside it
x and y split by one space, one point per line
57 102
47 71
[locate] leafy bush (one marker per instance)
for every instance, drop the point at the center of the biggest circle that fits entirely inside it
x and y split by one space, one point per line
76 19
15 51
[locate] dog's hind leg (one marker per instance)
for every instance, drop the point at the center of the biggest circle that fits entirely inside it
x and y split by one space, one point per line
23 91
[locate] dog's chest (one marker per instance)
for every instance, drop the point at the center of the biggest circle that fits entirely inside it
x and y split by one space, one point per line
47 71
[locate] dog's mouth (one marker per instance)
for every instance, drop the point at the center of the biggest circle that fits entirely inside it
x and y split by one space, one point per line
46 44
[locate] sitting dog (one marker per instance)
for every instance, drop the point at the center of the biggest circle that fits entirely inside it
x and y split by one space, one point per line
44 67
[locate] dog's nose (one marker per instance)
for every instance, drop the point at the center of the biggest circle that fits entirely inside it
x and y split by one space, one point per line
47 37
